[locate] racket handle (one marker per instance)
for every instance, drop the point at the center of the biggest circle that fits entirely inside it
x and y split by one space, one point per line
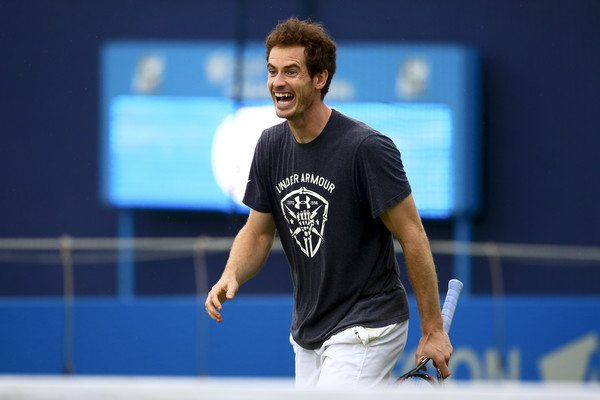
454 288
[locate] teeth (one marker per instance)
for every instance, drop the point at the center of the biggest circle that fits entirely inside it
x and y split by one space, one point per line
283 95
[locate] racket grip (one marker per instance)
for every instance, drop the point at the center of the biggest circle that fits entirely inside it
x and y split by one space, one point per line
454 288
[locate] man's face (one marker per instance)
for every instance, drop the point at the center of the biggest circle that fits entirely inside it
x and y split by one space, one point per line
292 89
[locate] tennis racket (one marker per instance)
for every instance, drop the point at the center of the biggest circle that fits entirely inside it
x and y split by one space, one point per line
416 376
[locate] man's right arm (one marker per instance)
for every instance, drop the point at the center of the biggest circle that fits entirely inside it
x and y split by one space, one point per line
248 254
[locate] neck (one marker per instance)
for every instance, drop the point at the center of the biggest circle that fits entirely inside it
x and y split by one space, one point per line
307 128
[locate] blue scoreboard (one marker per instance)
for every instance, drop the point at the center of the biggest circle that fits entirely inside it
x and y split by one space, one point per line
180 119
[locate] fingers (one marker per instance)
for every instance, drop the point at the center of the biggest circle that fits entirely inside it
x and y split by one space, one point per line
422 360
218 295
442 365
214 302
440 362
213 306
437 349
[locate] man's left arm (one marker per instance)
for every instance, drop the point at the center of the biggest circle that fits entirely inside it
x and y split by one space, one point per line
404 222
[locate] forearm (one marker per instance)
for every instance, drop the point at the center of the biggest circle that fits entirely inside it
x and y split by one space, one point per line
423 277
248 254
404 222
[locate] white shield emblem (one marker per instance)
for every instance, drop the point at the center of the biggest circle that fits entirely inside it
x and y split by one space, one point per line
306 214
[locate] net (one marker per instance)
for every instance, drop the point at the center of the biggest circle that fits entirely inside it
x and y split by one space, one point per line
60 334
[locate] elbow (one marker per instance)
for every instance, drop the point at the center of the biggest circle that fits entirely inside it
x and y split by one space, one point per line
415 242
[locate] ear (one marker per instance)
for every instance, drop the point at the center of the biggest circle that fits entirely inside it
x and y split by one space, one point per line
320 79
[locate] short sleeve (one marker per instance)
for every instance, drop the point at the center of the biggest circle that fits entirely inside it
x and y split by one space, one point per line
379 174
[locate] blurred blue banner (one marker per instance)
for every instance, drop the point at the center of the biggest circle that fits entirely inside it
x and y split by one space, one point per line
535 338
180 120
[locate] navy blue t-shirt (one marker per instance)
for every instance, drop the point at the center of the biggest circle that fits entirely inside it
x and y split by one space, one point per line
326 197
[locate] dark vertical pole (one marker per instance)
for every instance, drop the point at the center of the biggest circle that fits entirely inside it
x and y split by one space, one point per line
69 304
240 43
463 232
126 266
238 77
201 275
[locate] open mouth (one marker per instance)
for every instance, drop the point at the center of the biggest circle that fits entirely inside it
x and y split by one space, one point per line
284 98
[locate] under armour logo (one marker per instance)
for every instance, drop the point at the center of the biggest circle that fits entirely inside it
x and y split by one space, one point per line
306 213
299 202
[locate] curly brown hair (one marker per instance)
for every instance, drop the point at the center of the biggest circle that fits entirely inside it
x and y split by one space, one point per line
319 48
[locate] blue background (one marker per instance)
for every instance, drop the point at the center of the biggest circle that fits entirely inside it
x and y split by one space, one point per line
172 169
540 81
540 129
175 337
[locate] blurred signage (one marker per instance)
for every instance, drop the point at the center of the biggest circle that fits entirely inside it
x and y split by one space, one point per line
179 128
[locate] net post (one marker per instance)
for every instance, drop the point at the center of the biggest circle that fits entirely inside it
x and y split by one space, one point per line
66 245
126 266
462 259
200 247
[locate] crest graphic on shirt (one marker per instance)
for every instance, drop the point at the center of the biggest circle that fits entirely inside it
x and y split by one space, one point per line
306 214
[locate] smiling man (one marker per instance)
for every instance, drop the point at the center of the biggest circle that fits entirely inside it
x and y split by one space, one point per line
296 92
336 191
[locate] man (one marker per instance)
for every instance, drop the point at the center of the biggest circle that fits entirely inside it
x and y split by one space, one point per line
336 192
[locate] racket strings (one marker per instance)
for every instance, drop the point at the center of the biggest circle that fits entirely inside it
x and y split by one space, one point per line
418 380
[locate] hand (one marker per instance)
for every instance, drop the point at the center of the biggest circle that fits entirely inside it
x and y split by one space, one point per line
225 289
437 347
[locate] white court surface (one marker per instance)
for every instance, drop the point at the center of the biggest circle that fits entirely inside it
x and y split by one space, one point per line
38 387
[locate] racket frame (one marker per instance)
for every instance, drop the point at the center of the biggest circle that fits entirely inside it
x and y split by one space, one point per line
454 288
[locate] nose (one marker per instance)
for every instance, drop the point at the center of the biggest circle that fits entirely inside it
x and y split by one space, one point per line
278 80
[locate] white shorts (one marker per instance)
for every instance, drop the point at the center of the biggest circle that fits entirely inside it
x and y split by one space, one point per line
354 357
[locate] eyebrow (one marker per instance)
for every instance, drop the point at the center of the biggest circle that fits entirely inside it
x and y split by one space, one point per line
288 66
